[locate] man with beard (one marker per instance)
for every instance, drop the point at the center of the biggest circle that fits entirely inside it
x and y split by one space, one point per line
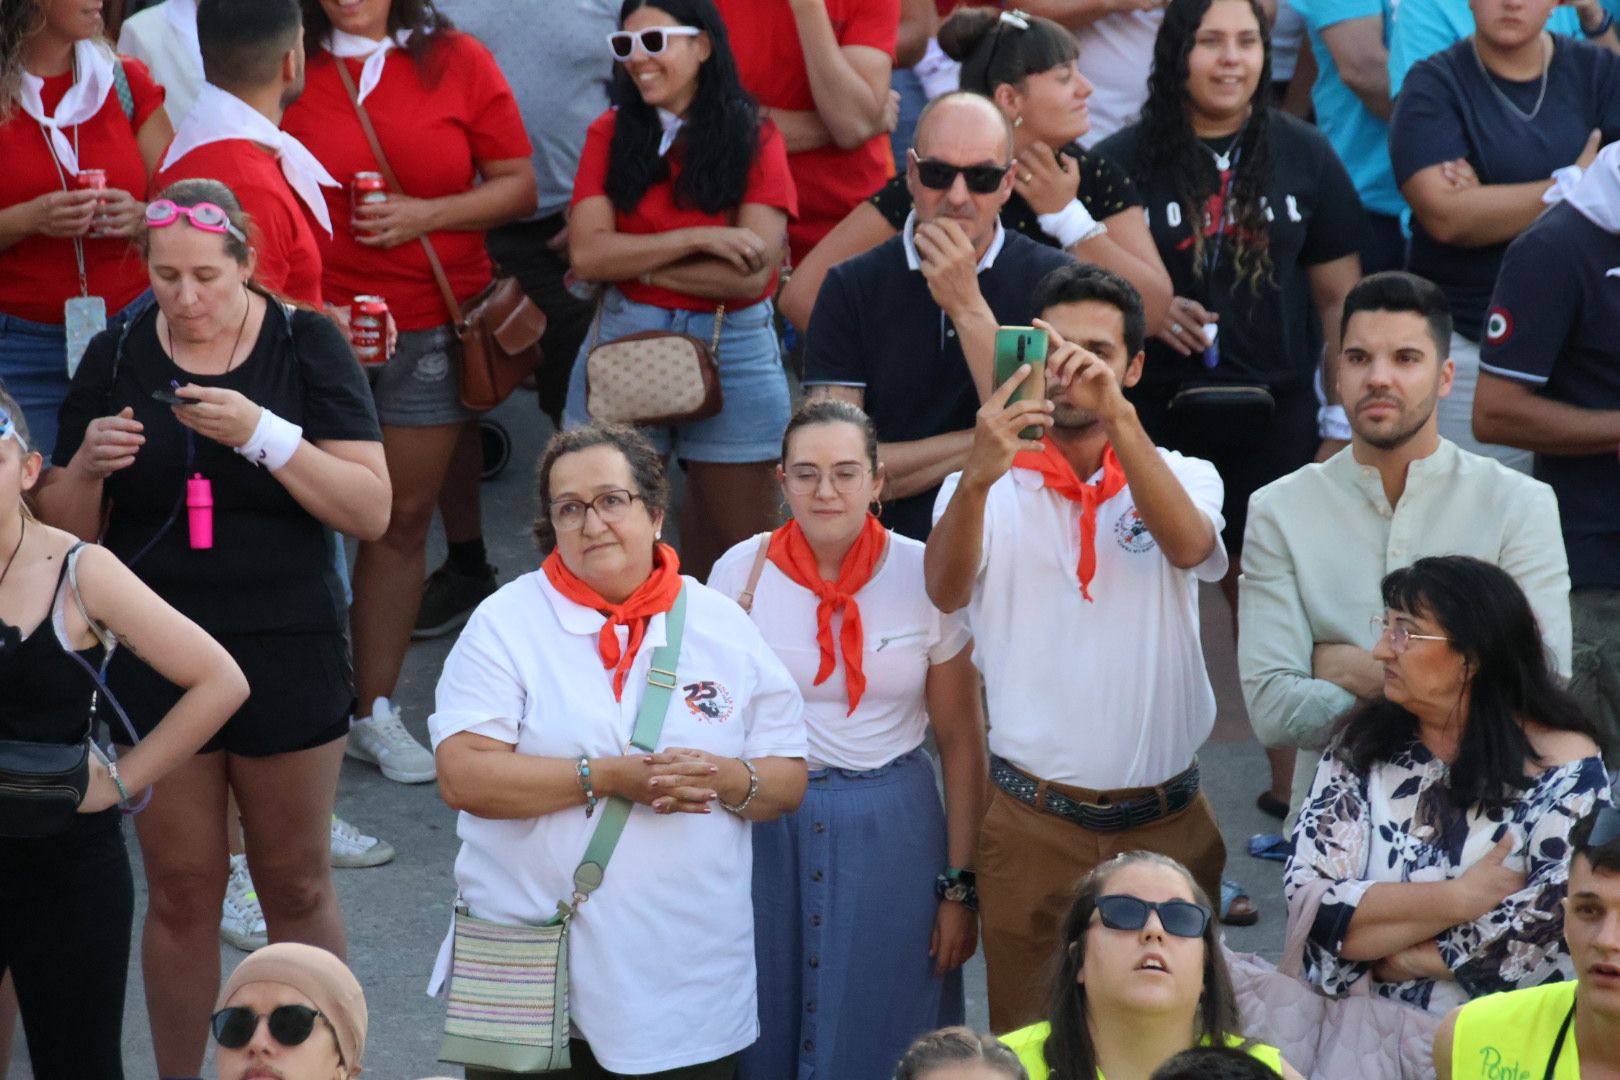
1078 558
884 331
1321 539
253 56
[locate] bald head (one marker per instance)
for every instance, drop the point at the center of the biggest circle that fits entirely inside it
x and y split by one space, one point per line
964 118
961 131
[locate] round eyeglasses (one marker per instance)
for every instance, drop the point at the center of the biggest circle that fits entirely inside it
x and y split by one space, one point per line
568 515
806 479
1400 636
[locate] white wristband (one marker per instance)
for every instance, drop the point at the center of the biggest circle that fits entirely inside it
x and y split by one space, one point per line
1564 182
1332 423
1071 225
273 442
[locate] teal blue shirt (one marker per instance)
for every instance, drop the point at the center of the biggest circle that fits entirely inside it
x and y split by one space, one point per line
1425 27
1359 138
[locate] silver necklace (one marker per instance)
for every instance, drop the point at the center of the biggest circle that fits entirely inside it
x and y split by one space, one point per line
1546 66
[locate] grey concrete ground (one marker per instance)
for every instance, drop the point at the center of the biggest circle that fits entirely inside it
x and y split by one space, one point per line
397 913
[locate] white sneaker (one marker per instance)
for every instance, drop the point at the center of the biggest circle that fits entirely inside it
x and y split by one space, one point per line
242 923
353 848
383 741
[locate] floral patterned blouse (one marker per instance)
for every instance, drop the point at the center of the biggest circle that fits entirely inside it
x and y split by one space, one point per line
1397 824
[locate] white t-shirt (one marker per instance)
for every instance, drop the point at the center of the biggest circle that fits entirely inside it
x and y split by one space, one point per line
164 38
661 971
1105 694
904 635
1116 53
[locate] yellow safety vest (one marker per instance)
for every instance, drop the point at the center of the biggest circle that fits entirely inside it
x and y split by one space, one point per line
1511 1036
1029 1044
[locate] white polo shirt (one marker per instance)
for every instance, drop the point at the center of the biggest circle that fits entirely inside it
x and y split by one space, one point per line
1105 694
661 971
905 634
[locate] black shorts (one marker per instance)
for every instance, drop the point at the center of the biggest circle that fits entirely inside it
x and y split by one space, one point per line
300 694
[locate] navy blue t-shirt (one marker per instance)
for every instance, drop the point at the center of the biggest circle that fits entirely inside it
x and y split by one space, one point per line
876 326
1447 109
1552 325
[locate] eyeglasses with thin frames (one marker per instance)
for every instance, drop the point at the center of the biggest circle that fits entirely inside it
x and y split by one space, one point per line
1400 636
806 479
568 515
653 40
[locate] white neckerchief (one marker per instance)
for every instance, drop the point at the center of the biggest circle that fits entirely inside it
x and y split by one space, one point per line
219 115
672 128
351 47
1597 195
82 101
182 15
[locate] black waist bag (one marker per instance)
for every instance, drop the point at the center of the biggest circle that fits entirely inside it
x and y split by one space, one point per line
41 786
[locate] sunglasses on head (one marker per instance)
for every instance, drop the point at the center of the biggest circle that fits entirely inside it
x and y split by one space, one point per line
290 1025
205 216
653 40
8 430
1183 918
940 175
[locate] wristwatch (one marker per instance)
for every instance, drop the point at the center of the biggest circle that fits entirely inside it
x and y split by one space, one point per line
961 886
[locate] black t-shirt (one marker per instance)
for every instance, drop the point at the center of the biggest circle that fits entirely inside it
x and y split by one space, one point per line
1552 326
1105 190
270 569
876 326
1315 216
1448 108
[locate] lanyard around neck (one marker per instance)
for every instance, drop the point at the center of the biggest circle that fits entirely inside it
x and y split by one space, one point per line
1558 1044
61 175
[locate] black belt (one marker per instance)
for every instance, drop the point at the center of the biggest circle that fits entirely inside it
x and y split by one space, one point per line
1104 814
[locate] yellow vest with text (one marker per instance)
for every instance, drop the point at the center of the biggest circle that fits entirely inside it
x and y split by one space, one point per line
1510 1036
1029 1043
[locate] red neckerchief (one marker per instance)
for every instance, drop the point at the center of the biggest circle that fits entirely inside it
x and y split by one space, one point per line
656 594
1059 477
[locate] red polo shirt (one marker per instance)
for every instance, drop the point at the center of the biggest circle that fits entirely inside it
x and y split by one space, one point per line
39 273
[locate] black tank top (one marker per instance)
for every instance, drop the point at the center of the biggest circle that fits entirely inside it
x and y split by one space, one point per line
47 694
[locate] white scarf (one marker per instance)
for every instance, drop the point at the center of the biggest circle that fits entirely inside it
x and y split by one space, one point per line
182 15
83 100
219 115
351 46
672 128
1597 194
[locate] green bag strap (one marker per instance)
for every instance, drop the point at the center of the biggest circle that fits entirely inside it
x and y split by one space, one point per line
649 725
126 99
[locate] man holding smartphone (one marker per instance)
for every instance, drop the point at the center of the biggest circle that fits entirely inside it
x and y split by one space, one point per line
1078 558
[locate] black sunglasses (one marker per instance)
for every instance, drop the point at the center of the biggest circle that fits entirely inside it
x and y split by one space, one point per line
290 1025
940 175
1183 918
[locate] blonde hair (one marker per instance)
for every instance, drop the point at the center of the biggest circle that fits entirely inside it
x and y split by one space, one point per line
9 406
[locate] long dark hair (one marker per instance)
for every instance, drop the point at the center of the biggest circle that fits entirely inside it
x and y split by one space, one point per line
1175 151
1069 1051
721 136
994 51
426 23
1484 613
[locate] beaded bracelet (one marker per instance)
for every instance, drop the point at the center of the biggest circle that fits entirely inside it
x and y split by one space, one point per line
582 773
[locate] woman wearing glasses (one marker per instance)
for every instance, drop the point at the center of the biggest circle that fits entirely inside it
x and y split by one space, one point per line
534 706
864 899
1439 819
220 435
1140 977
680 212
1030 68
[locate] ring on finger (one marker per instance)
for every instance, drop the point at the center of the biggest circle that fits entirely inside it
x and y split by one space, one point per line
1027 177
1177 328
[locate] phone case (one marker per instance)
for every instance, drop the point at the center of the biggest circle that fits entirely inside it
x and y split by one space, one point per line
1009 357
83 317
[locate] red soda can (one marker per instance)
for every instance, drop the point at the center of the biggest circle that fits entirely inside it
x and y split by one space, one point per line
368 330
367 188
92 180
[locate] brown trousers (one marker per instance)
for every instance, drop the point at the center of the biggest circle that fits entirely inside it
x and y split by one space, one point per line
1029 865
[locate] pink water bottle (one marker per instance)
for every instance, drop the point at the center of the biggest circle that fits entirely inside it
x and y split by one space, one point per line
200 511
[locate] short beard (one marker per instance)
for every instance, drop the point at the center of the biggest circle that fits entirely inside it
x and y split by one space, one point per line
1070 418
1402 436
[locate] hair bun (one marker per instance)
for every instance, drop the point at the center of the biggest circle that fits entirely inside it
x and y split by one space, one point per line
965 30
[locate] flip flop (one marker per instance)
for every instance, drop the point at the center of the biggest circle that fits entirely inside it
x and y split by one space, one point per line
1236 907
1272 847
1271 806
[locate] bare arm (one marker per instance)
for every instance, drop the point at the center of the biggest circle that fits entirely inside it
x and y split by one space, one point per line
153 139
1393 916
802 129
718 279
341 483
911 467
507 193
918 20
1512 413
1183 532
957 716
850 83
1472 217
1331 282
862 229
1128 250
59 214
1357 46
598 251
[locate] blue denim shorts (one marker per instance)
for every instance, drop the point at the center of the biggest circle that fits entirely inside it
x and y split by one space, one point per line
749 427
420 386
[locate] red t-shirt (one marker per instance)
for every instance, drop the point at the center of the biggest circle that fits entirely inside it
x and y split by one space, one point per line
765 40
769 184
39 274
283 232
433 136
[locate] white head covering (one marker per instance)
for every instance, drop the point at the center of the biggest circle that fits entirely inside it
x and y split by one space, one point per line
351 46
83 100
182 15
219 115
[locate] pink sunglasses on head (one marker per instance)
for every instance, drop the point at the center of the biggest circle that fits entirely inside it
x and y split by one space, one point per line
205 216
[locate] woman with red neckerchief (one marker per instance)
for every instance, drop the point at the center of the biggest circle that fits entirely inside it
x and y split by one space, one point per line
848 981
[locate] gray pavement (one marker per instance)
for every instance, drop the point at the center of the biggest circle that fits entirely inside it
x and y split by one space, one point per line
397 914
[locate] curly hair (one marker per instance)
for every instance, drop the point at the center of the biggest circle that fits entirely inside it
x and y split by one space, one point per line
426 23
721 137
1176 152
646 470
19 21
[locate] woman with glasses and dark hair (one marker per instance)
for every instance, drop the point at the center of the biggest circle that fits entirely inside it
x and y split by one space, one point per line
534 706
1438 823
840 599
680 212
219 436
1139 979
1063 195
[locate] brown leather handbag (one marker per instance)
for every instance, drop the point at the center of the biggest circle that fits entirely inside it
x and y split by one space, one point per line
656 377
499 329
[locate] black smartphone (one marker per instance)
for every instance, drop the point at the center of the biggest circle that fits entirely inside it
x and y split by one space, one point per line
169 397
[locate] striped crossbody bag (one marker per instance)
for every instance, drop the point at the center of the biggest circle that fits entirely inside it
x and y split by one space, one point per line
509 984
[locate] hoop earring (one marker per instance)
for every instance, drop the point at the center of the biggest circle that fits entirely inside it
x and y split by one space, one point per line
877 506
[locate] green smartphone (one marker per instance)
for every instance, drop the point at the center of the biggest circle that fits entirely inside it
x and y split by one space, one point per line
1016 346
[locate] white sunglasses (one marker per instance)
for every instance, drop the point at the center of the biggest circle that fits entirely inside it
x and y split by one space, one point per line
653 40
